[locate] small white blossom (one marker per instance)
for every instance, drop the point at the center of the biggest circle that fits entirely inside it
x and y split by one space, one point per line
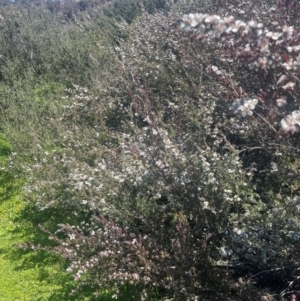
72 236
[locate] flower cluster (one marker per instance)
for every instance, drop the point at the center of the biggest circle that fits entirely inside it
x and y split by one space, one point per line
260 49
216 26
244 107
260 45
291 123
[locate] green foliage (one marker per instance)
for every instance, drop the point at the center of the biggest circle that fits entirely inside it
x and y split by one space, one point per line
42 53
43 92
162 144
5 147
137 168
130 9
33 275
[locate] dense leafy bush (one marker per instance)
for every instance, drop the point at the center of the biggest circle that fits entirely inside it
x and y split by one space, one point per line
172 168
45 47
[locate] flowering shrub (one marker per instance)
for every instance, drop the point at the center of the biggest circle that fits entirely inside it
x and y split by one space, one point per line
259 49
179 173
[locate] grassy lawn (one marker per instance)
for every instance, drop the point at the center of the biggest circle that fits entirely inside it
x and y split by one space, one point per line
24 275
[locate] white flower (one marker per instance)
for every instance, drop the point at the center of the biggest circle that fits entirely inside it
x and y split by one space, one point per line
252 24
147 119
289 124
224 252
281 101
246 110
237 231
288 30
252 103
244 107
154 132
290 86
296 116
282 80
72 236
274 35
214 68
274 167
235 106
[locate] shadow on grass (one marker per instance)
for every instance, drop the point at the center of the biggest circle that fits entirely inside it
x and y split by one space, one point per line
44 271
32 254
8 186
45 262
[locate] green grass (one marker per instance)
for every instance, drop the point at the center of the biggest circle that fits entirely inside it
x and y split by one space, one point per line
25 275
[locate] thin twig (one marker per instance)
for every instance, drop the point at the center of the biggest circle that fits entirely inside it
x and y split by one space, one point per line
266 122
266 271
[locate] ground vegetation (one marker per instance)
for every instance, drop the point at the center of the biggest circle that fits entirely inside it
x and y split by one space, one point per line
159 143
